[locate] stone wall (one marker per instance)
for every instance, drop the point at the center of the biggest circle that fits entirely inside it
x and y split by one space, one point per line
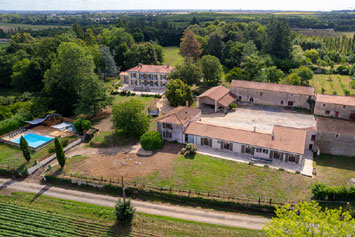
336 144
344 111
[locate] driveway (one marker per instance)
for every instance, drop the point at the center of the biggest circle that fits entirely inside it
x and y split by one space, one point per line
263 118
186 213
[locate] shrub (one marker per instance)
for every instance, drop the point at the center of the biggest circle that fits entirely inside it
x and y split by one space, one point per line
232 106
190 149
9 125
324 192
151 141
80 125
353 84
124 212
25 150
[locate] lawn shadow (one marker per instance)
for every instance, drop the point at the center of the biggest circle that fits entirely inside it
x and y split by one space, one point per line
120 230
339 162
43 190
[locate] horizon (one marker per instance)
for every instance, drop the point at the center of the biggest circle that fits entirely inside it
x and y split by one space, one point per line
168 5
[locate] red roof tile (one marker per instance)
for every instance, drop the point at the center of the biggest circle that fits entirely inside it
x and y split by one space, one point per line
336 99
179 115
151 69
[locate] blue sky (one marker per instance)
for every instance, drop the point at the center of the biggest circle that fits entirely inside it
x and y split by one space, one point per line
310 5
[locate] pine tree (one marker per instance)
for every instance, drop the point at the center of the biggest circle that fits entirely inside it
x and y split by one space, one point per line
60 153
25 150
189 46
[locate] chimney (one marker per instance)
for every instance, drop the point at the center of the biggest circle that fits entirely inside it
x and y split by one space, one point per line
272 136
187 103
168 66
140 65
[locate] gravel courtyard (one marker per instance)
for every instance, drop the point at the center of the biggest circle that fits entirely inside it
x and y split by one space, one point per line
261 117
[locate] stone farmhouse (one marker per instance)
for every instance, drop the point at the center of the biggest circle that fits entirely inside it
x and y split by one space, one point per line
335 106
146 77
273 94
336 137
173 124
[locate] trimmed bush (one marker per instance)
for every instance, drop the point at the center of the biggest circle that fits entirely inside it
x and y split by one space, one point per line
323 192
80 125
60 153
151 141
25 150
124 212
232 106
190 149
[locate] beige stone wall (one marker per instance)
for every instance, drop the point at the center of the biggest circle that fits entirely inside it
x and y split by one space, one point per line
329 143
271 98
344 110
134 79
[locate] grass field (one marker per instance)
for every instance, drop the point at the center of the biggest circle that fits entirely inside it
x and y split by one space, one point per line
332 84
172 56
11 156
39 213
208 174
7 26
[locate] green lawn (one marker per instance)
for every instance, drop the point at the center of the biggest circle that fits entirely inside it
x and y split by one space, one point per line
172 56
99 218
11 156
208 174
332 84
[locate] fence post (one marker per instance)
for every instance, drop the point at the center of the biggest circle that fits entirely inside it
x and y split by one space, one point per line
189 193
270 201
161 189
170 190
259 201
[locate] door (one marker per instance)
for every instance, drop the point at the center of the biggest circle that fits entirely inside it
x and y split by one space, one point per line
352 116
310 147
336 114
290 103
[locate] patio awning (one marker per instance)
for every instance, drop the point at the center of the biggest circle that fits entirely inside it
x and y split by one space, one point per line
36 121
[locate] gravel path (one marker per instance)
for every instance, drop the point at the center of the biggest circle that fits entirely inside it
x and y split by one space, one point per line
186 213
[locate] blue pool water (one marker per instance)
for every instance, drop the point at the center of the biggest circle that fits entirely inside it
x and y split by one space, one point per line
33 140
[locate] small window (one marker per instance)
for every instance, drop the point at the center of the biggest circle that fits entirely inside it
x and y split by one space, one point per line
313 138
323 105
282 102
327 112
261 94
344 106
258 150
240 97
266 151
337 135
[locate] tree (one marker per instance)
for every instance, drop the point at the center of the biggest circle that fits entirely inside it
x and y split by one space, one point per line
298 55
59 152
177 93
108 62
27 76
278 39
308 219
234 74
215 45
146 53
252 66
189 46
130 119
312 54
292 79
151 141
189 72
212 69
80 125
89 38
124 212
73 66
304 73
92 97
273 74
78 30
249 49
232 54
25 150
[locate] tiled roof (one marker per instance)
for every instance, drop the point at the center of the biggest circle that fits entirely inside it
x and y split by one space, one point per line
123 73
302 90
336 99
285 138
152 69
179 115
215 93
227 99
329 125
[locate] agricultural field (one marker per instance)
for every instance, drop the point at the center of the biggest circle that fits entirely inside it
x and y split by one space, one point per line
322 32
172 56
8 26
24 214
332 84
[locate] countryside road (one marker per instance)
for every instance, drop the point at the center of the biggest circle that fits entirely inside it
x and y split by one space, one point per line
181 212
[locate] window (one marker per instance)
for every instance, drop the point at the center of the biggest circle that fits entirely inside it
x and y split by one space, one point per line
313 138
167 125
337 135
344 106
206 141
258 150
265 151
227 146
323 105
167 134
327 112
240 98
282 102
261 94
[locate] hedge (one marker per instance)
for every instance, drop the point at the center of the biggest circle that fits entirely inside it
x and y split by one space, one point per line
9 125
151 141
323 192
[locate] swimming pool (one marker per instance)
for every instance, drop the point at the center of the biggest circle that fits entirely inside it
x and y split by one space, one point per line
33 140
